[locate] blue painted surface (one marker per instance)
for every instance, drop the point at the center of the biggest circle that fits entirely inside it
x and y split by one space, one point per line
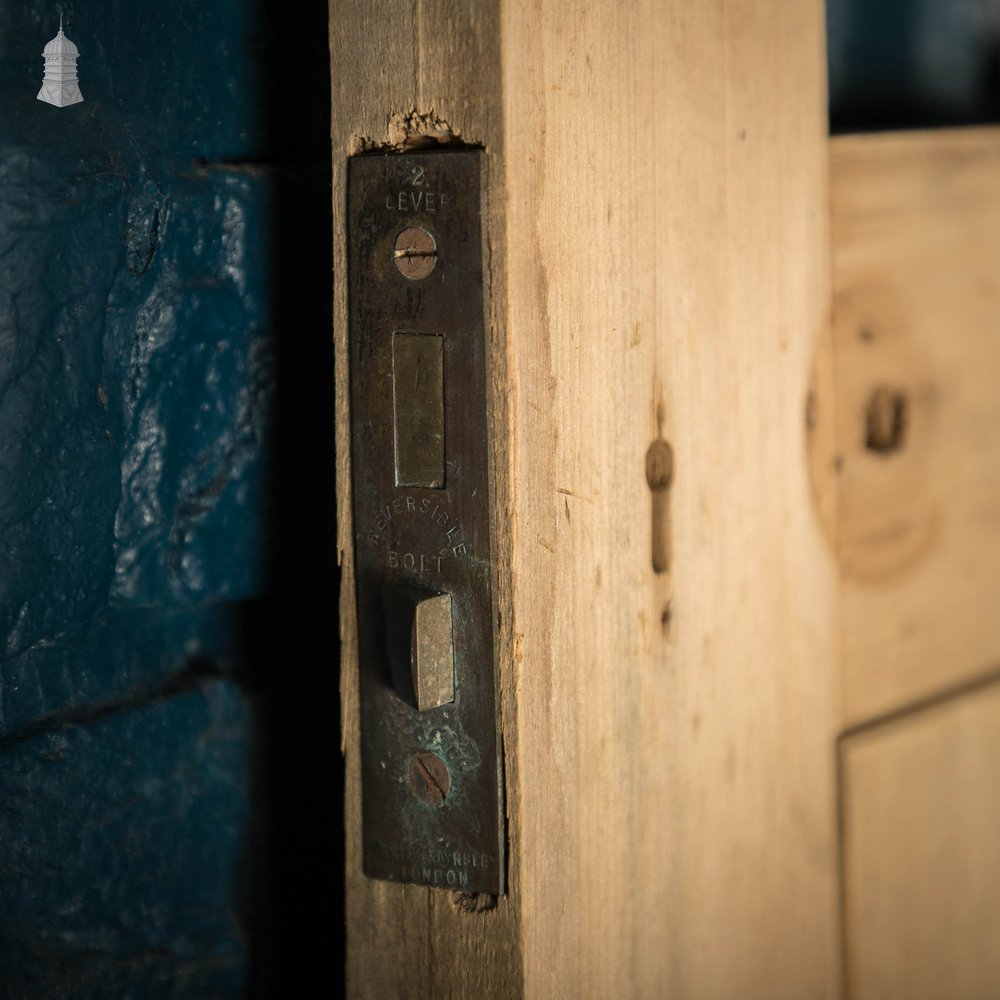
121 890
136 384
913 63
135 366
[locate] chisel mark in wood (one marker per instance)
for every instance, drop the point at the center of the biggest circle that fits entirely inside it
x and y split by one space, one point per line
408 131
659 474
473 902
575 496
665 617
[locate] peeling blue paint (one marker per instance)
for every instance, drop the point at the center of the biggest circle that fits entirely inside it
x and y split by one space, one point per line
136 383
135 357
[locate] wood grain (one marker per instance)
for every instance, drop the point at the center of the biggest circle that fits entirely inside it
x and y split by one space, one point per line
667 254
440 58
921 852
916 239
659 267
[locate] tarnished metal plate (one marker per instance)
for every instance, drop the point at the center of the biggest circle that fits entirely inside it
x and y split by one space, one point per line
431 781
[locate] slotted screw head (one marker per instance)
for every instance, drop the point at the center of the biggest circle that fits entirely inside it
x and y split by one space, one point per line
429 778
415 253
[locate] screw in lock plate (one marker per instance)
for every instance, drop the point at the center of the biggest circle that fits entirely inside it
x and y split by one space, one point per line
415 253
429 778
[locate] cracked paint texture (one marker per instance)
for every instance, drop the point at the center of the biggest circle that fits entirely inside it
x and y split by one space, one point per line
135 360
134 904
135 384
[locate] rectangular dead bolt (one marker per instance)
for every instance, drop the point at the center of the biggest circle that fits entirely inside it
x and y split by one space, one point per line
431 768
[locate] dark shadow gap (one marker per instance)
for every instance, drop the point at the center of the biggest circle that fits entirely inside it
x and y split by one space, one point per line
290 635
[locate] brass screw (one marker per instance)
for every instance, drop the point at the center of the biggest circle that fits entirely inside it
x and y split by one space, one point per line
415 253
429 778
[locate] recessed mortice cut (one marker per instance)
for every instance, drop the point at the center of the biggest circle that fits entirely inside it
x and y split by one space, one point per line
418 409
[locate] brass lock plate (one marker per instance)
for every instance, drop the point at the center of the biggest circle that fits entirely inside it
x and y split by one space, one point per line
431 768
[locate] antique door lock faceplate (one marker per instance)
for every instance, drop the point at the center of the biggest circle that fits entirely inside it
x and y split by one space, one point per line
432 807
